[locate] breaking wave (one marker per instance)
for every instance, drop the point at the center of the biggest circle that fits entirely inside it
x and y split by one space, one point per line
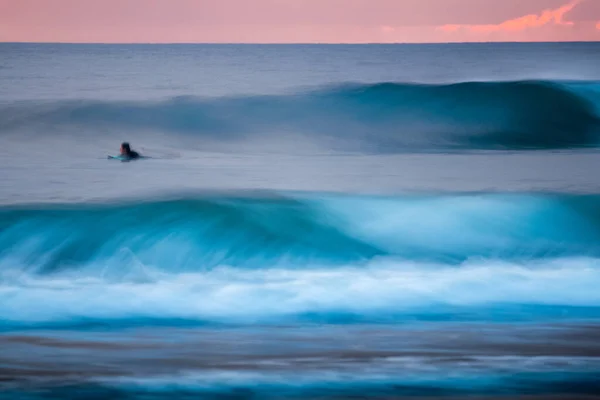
374 117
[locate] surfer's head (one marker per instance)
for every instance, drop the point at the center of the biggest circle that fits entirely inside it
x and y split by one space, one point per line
125 148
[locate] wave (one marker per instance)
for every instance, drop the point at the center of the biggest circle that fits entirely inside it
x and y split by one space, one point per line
374 117
381 292
191 234
302 258
177 234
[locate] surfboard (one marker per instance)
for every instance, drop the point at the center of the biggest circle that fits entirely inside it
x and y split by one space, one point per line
120 158
125 159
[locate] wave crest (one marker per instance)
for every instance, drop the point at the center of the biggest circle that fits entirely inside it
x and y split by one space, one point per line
374 117
202 233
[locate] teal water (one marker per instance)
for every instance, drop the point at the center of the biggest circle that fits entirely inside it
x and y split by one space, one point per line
381 221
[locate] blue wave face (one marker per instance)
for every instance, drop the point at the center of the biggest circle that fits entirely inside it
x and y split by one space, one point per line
201 233
315 258
183 235
377 117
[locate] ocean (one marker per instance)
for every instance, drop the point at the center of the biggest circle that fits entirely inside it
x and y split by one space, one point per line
311 221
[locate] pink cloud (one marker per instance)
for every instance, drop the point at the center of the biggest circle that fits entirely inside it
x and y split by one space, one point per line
551 16
293 21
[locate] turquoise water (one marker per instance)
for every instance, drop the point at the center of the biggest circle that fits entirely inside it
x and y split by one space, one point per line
311 221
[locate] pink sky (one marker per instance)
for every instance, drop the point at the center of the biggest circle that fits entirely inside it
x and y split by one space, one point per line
293 21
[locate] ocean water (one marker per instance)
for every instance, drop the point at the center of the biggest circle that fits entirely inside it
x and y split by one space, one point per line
312 221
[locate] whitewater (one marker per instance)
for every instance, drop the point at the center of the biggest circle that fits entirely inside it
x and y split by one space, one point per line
313 221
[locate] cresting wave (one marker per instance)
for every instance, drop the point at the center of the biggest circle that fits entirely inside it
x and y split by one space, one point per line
374 117
192 234
316 258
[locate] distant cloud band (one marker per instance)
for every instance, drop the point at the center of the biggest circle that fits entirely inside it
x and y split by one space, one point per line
546 17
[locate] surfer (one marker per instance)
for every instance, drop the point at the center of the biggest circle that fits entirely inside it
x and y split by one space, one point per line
126 152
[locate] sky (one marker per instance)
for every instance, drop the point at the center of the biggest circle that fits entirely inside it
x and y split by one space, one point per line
298 21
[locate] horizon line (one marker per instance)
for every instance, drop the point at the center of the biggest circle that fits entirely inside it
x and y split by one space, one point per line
305 43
